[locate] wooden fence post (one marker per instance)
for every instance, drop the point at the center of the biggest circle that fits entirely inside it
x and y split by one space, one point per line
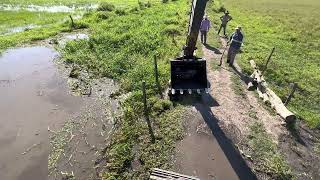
156 73
269 58
72 22
294 88
146 114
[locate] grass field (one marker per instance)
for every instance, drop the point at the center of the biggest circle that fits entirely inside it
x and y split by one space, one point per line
24 25
122 46
293 27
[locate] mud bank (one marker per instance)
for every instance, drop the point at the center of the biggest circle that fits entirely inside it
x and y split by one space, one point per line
35 101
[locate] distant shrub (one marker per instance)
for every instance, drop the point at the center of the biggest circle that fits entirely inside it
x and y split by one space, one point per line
165 1
148 4
134 9
143 5
171 21
159 106
106 7
103 15
171 30
121 12
222 9
87 14
80 25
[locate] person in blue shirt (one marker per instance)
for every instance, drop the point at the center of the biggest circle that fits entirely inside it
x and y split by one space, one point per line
236 40
204 29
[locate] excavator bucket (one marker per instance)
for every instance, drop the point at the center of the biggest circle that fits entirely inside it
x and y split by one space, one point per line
188 75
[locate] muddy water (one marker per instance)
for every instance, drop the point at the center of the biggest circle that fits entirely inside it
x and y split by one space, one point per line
32 97
206 152
200 155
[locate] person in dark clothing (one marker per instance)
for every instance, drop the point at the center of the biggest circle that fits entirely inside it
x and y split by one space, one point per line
224 21
204 28
236 40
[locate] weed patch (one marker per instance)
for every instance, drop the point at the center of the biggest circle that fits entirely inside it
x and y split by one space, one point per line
266 154
238 86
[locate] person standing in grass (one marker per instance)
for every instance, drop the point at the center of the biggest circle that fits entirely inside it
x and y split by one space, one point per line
204 29
224 21
236 40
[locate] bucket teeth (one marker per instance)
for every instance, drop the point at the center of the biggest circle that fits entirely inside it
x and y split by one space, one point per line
198 91
207 90
173 91
181 91
189 91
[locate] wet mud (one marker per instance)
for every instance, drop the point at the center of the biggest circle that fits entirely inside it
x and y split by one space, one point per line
207 152
33 97
36 102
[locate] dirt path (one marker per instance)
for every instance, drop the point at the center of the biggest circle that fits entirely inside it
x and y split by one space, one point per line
228 112
227 117
236 109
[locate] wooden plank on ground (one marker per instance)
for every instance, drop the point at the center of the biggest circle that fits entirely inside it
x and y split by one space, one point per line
159 174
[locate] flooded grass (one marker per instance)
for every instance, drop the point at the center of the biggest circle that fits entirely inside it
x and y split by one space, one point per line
74 2
26 21
50 9
19 21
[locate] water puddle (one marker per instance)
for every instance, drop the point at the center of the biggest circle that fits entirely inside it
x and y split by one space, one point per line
20 29
66 37
76 36
51 9
36 102
32 97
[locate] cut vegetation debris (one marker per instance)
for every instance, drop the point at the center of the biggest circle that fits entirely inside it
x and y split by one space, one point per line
122 46
293 28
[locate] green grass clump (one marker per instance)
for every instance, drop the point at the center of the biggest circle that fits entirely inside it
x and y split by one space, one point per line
293 27
238 86
122 48
106 7
266 154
